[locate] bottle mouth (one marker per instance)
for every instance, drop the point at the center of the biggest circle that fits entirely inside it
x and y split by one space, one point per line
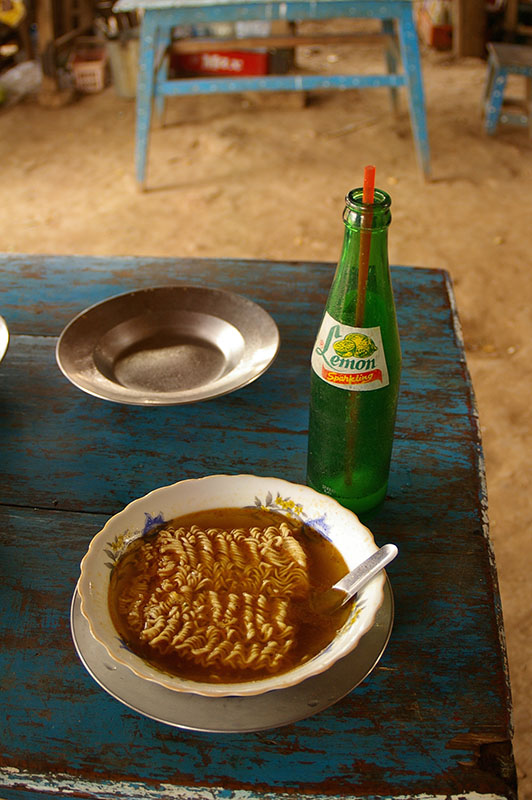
367 216
381 201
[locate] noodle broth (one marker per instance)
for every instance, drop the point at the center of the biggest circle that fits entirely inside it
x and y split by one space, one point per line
184 597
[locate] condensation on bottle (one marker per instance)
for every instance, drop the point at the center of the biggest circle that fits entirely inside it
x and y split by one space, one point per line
356 365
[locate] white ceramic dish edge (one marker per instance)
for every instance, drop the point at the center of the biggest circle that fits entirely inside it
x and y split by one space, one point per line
174 500
4 338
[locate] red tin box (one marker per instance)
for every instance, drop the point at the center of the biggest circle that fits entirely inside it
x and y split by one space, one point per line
223 62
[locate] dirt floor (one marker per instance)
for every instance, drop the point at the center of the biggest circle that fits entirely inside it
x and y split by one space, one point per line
265 177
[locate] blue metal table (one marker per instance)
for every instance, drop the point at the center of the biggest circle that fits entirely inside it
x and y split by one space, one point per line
432 719
160 17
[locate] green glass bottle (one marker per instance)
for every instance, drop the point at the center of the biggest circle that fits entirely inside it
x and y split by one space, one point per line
356 365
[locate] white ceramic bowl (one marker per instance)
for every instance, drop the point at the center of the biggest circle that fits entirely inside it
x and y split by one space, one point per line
340 526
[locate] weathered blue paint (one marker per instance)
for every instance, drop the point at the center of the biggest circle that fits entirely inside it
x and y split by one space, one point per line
504 60
160 17
433 718
276 83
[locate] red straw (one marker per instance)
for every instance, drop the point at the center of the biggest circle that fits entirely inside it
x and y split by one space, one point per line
368 194
368 190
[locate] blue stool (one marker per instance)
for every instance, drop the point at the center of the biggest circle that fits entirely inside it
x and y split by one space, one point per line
504 60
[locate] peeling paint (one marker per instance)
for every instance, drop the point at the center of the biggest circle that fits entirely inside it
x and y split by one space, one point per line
65 785
428 717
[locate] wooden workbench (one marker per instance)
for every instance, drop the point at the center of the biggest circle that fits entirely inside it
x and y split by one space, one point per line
433 719
161 17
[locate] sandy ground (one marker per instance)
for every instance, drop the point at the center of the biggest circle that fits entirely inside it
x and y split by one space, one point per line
236 176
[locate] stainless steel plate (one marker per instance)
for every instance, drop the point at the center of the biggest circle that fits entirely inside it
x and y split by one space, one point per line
167 345
233 714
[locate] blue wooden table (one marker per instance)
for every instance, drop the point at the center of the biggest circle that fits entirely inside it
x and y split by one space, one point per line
160 17
432 719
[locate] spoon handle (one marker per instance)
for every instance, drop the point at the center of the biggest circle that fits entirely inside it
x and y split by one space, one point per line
359 576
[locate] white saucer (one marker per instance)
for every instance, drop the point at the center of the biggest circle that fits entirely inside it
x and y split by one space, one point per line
233 714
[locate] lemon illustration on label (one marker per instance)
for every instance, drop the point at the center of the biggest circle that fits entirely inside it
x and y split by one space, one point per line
355 345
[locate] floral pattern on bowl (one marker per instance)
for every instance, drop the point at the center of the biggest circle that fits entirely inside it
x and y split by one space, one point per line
354 541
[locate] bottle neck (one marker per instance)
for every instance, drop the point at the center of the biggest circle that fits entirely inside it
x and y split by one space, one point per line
374 216
363 274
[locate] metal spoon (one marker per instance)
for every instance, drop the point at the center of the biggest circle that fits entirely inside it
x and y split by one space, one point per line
342 591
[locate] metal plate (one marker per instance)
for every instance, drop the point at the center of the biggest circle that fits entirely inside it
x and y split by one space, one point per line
233 714
167 345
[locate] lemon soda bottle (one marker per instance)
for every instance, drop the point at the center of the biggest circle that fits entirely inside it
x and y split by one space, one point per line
356 362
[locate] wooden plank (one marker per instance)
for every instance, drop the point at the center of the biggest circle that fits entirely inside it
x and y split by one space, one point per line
46 28
511 17
50 93
200 44
72 35
67 11
469 28
417 725
79 485
86 13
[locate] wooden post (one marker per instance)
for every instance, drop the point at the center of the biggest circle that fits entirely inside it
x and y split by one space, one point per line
511 18
469 28
48 19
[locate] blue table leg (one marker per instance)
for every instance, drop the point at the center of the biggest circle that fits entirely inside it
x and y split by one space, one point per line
162 45
409 45
494 99
145 90
391 59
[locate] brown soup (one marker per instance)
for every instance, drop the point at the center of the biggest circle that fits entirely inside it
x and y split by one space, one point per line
223 595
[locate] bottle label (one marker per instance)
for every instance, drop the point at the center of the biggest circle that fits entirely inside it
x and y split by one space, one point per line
350 358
